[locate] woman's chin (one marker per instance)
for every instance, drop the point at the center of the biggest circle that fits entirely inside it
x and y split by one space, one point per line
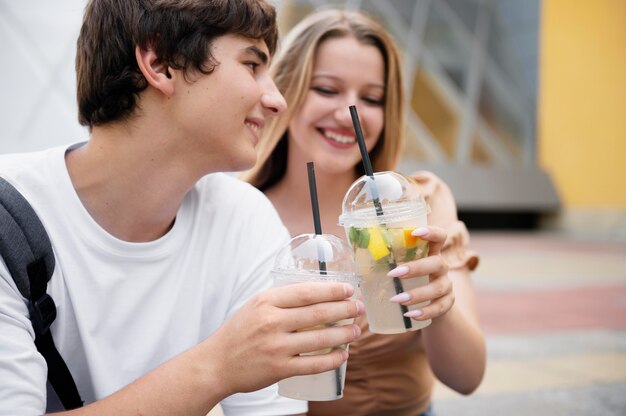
335 166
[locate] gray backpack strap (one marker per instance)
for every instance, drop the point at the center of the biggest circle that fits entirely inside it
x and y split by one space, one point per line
23 240
27 252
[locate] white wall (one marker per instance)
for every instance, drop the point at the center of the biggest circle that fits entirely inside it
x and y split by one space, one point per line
37 94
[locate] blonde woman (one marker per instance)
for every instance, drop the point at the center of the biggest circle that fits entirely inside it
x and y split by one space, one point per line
329 61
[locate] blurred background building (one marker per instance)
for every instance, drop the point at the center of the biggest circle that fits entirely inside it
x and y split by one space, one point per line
517 105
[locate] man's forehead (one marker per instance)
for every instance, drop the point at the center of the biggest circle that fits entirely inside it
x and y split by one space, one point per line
246 41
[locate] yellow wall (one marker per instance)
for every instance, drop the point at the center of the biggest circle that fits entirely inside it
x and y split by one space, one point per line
582 101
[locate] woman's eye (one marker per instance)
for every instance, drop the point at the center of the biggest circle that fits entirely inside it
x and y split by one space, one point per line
373 101
323 91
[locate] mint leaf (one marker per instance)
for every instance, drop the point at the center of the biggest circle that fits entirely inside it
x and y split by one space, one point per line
410 254
364 238
353 236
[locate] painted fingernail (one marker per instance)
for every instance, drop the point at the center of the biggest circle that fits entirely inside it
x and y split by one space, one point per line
414 314
400 297
398 271
419 232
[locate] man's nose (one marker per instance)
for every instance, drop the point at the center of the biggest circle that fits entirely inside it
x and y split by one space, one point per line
272 100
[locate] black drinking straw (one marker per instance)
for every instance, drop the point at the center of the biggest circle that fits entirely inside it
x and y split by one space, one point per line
367 165
320 251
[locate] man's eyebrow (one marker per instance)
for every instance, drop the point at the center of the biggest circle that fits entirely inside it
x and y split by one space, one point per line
255 50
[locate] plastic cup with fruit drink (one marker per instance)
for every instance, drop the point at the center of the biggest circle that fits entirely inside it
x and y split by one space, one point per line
321 258
379 215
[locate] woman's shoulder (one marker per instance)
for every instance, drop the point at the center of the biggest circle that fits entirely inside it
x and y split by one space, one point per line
443 213
438 196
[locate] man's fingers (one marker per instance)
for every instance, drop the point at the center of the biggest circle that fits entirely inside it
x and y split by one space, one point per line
318 340
315 364
321 349
323 314
304 294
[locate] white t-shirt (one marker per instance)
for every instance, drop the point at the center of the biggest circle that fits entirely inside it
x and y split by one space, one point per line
125 308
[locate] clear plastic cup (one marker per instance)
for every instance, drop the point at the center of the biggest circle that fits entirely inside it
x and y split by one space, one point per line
379 215
316 258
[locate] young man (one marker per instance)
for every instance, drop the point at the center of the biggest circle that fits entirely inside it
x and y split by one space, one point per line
161 262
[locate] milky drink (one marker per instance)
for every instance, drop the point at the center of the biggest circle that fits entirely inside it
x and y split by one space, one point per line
321 259
317 387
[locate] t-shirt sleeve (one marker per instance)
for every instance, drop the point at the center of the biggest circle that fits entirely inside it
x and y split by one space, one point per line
443 213
265 402
263 234
22 369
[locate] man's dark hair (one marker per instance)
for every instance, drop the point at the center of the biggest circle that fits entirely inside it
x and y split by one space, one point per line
179 31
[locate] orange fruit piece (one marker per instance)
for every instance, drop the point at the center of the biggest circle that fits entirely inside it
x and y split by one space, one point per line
410 240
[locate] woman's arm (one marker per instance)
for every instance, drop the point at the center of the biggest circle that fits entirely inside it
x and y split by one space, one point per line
454 342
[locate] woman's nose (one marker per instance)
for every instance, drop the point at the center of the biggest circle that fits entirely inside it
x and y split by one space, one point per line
272 100
342 113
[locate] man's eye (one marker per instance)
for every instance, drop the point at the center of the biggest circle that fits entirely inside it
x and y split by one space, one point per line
252 65
323 91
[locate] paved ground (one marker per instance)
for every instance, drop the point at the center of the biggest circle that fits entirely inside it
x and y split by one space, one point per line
554 312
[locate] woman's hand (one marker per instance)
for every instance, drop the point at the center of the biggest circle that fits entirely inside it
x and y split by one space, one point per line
439 290
455 346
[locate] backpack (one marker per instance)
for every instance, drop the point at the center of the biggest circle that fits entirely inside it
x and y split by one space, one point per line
27 252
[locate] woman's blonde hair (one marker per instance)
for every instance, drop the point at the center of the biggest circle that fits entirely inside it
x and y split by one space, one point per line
292 70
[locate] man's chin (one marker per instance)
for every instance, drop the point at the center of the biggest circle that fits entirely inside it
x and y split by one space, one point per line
244 164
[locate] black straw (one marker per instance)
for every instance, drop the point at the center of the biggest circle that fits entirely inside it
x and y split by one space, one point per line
314 203
316 212
367 165
318 231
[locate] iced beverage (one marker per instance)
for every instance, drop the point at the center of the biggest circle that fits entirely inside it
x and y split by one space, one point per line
379 215
317 387
316 258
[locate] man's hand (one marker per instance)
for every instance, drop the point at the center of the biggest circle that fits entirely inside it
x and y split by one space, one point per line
259 345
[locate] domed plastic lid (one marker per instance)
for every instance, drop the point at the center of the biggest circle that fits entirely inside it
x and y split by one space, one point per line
320 257
386 198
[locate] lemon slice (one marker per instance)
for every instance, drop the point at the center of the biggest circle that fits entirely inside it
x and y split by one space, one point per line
377 245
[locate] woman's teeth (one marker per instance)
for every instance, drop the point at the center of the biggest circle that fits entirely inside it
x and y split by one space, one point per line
339 137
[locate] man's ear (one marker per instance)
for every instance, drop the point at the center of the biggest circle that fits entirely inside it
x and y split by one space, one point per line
156 73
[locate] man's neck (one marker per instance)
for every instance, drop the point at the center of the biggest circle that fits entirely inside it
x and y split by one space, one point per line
128 180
